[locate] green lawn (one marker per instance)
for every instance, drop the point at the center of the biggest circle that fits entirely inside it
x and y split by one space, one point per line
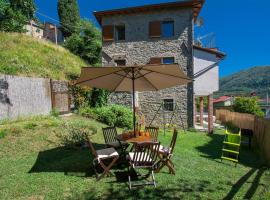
34 166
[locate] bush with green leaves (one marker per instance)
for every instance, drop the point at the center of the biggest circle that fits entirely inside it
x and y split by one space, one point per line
3 133
75 133
55 112
248 105
114 115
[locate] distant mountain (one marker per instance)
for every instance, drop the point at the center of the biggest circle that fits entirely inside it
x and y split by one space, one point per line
256 79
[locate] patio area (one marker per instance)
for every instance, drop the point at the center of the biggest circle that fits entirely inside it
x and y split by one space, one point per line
34 166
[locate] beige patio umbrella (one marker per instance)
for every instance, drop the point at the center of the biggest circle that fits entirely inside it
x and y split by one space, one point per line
133 78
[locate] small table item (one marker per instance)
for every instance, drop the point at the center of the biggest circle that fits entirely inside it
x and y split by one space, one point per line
140 137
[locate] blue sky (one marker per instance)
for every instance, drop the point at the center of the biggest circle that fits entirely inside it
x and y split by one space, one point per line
241 27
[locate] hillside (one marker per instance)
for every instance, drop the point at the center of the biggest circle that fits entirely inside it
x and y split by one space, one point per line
27 56
255 79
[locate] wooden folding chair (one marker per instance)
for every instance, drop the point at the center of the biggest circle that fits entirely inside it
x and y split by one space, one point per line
153 132
143 157
165 155
100 156
109 134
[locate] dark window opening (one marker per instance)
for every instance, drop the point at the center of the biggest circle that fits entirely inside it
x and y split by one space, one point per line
167 29
120 32
168 104
120 62
168 60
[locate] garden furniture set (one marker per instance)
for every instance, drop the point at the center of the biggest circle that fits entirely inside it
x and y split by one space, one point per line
146 152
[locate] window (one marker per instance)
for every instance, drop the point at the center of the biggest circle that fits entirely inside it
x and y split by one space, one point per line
167 29
168 60
155 29
120 32
120 62
38 30
168 104
107 33
164 29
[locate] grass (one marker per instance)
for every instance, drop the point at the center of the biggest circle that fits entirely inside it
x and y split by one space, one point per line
27 56
33 165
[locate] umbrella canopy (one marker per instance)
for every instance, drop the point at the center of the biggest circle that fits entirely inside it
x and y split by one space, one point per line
146 77
133 78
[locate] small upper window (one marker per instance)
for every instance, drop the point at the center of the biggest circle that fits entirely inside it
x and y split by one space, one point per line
168 104
167 29
120 32
38 30
168 60
120 62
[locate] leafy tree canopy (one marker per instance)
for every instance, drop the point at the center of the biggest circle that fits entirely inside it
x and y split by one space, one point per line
69 15
248 105
11 20
26 7
86 43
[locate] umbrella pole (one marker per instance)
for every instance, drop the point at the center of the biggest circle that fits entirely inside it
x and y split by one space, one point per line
133 99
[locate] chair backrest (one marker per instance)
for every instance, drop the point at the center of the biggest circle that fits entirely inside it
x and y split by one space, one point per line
145 154
173 141
153 132
91 147
109 134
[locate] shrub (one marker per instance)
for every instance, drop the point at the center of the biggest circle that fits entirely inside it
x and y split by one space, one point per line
247 105
3 133
75 133
115 115
30 125
55 112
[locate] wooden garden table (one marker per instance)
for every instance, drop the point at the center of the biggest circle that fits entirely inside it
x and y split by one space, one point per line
132 139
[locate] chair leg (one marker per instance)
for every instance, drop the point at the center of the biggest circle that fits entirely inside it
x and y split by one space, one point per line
106 168
153 178
129 179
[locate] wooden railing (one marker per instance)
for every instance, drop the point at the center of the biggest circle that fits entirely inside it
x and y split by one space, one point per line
259 126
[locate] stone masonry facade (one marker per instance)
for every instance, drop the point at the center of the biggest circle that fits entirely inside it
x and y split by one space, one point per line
138 48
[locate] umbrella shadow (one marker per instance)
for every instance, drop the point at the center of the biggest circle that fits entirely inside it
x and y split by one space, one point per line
73 162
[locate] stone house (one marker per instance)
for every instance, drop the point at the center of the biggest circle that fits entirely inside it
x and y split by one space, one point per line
160 33
53 33
33 29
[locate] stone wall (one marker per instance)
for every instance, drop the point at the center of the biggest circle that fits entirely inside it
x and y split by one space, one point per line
24 96
138 48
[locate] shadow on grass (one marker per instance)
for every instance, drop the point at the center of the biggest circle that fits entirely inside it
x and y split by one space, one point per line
248 157
180 189
244 179
212 150
73 162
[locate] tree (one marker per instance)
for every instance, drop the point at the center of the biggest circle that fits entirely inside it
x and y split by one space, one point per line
248 105
26 7
69 15
11 20
86 43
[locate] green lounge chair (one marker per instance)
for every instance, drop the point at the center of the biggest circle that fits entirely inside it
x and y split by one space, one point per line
231 147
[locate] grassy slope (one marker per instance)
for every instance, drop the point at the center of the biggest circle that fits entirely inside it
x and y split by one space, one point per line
34 166
246 81
24 55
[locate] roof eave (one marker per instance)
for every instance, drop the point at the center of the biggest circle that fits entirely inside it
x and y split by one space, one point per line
219 54
195 4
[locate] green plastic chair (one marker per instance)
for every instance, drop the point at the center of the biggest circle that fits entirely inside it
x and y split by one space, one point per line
231 147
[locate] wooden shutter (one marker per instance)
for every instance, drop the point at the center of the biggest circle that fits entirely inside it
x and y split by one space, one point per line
108 33
155 60
155 29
